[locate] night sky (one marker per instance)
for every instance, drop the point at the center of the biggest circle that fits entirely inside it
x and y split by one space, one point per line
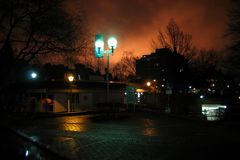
135 22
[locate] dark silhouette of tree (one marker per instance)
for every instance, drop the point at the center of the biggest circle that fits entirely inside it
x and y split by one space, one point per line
207 57
233 32
126 67
83 43
51 72
206 65
34 28
6 61
234 25
175 39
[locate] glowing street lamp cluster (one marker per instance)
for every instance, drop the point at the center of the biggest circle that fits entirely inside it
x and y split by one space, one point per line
99 45
99 53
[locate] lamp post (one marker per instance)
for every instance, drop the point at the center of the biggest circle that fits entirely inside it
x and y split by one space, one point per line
99 52
70 79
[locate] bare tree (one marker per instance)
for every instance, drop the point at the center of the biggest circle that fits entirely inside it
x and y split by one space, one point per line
207 64
29 29
174 39
126 67
233 33
207 57
233 30
33 28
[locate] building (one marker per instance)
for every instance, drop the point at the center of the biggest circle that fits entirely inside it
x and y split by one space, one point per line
60 96
167 68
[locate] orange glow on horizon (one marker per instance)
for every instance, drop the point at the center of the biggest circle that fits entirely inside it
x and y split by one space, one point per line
137 23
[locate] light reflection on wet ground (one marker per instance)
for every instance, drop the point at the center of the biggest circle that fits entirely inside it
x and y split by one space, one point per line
149 127
74 127
90 123
150 132
74 119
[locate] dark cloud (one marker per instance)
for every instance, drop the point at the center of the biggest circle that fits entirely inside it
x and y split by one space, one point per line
135 22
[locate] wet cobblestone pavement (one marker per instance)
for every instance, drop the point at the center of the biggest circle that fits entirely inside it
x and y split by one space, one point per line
132 137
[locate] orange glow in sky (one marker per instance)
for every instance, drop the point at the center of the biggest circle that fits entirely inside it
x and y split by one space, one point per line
136 22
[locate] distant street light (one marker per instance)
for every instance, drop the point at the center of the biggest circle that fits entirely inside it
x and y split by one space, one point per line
99 53
70 79
148 84
33 75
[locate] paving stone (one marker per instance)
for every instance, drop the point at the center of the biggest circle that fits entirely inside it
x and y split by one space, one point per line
139 137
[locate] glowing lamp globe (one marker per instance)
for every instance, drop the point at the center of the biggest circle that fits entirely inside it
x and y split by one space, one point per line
99 44
148 84
70 78
33 75
112 43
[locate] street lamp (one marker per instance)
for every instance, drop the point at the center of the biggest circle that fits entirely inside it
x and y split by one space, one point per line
148 84
99 53
32 75
70 79
112 43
